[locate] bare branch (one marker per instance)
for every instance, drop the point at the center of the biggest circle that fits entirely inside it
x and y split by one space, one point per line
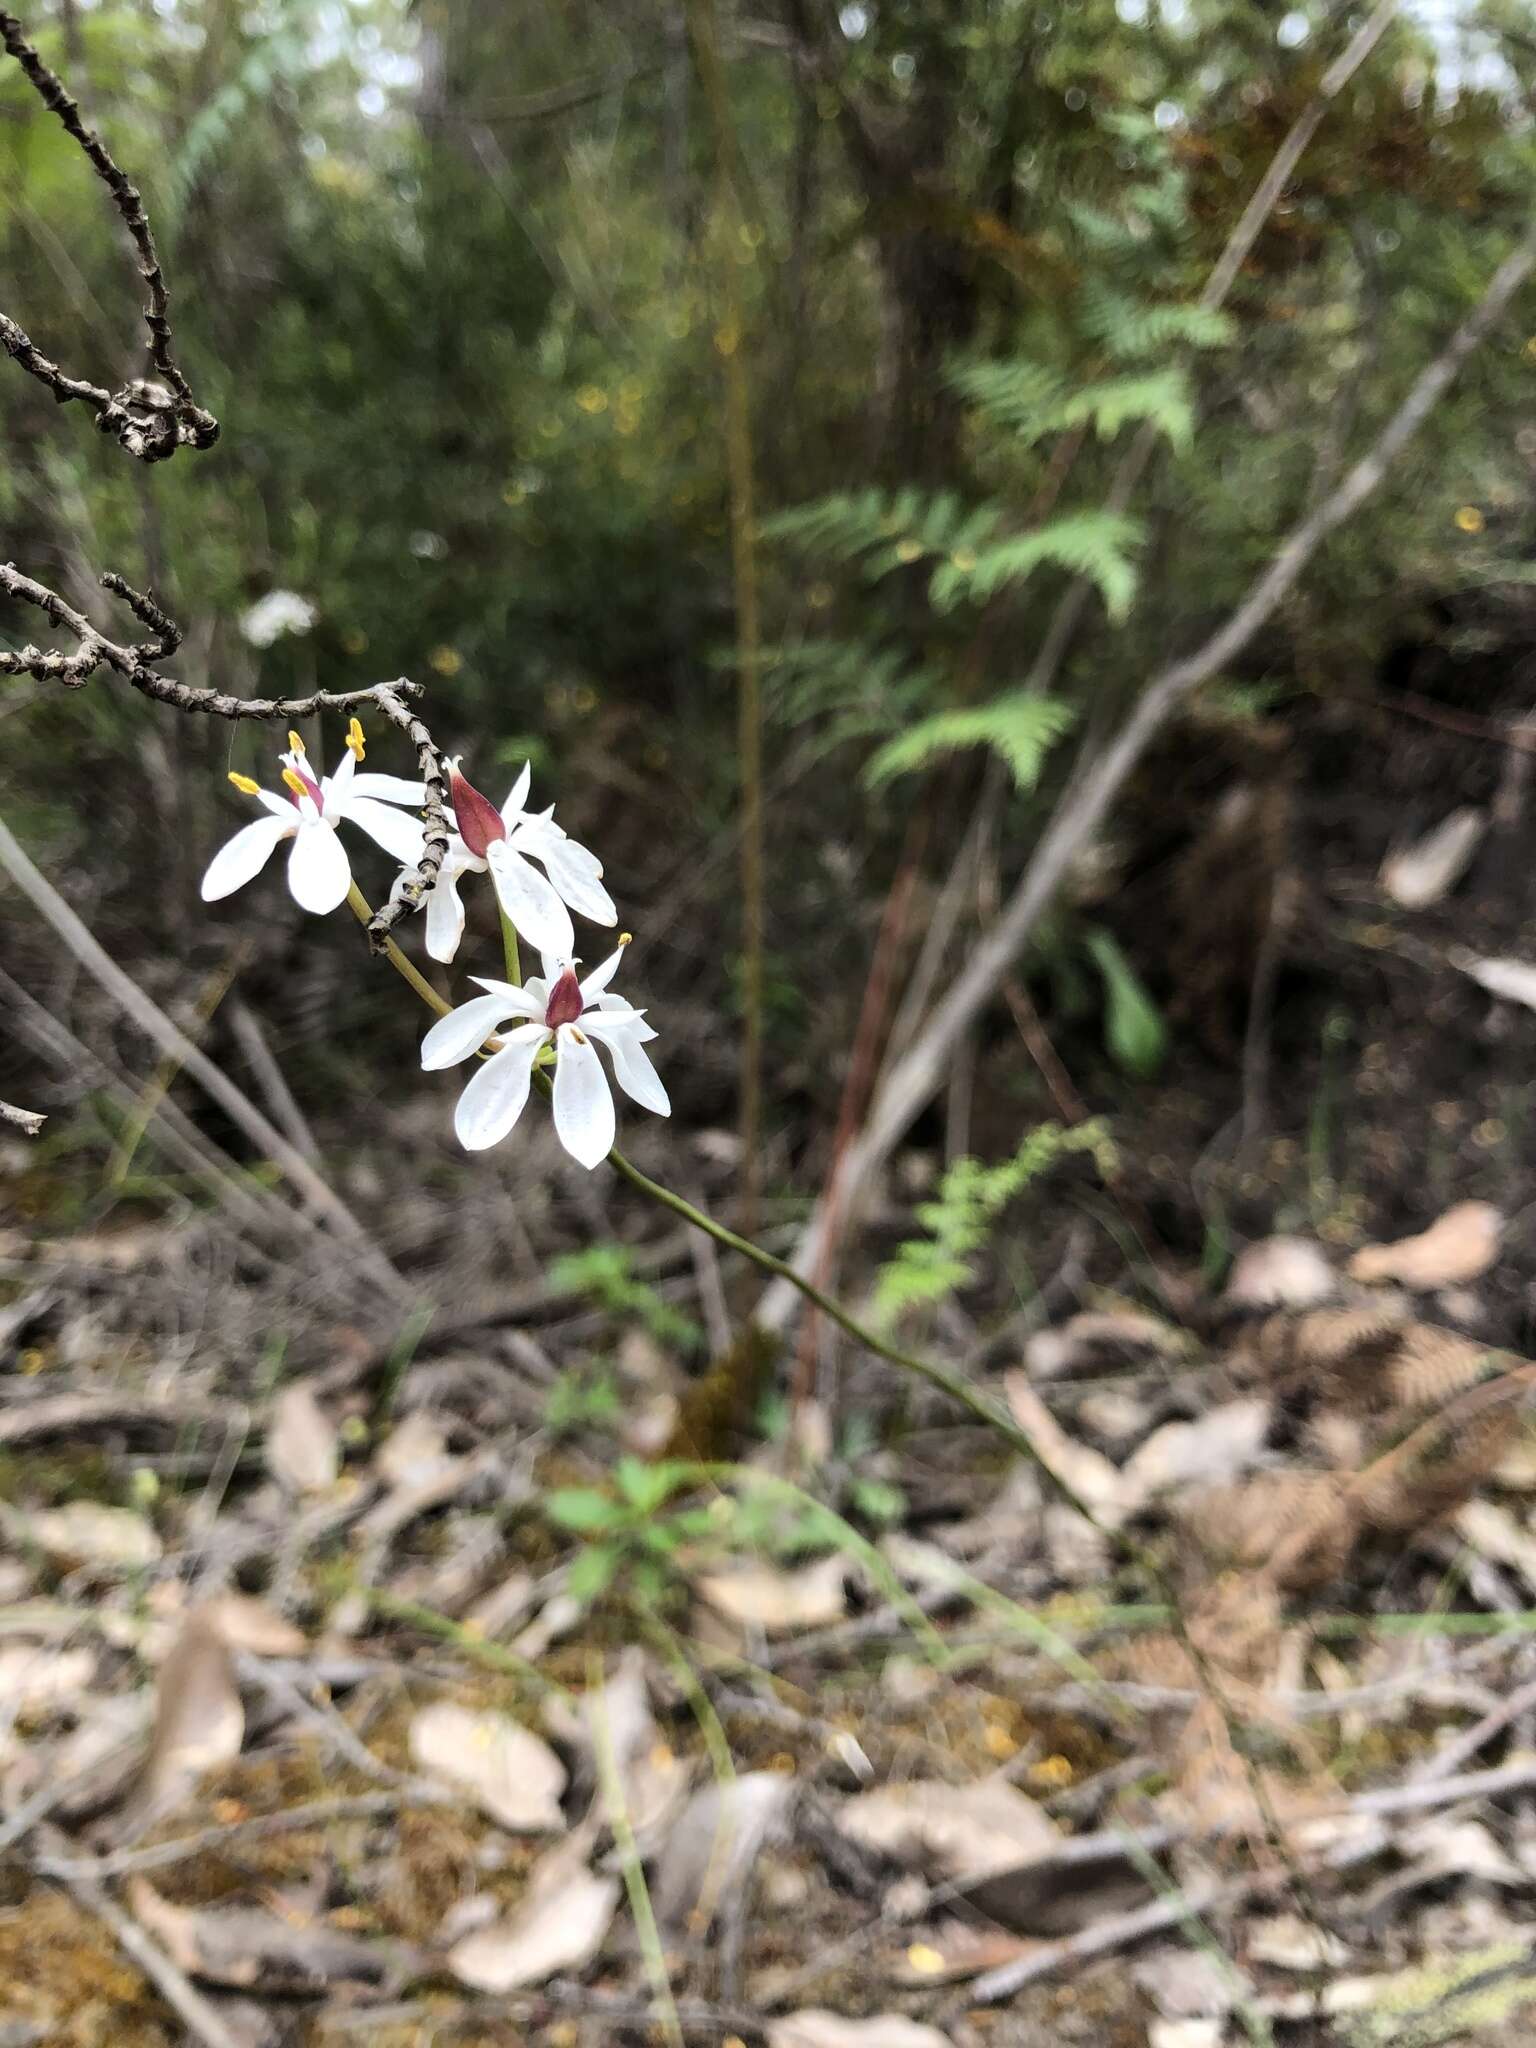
29 1120
135 662
911 1082
1133 464
151 417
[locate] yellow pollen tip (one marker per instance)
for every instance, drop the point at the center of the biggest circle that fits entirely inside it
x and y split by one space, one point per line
246 784
295 782
626 938
355 743
295 744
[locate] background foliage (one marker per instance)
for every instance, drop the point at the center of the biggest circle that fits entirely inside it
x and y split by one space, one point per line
449 289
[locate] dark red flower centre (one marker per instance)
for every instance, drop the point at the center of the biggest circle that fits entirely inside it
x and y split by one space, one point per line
565 1004
479 821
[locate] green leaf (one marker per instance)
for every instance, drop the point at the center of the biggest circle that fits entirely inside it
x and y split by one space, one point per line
1091 544
1134 1030
644 1486
593 1572
582 1508
1020 727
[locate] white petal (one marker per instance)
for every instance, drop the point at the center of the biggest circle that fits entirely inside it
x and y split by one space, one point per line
246 854
535 910
462 1031
319 875
493 1101
593 984
617 1007
637 1077
391 789
576 873
517 796
335 788
445 915
396 833
279 806
584 1118
520 1002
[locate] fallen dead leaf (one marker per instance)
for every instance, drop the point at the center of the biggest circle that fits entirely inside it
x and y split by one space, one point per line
1185 2033
246 1623
1457 1247
303 1454
414 1453
954 1952
779 1601
1223 1443
559 1925
1494 1532
34 1678
1088 1472
814 2028
199 1720
85 1532
1185 1983
1281 1272
250 1946
612 1728
1097 1339
708 1855
1424 873
950 1832
1287 1942
511 1774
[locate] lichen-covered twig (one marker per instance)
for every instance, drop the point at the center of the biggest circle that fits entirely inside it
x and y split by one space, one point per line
136 663
29 1120
151 416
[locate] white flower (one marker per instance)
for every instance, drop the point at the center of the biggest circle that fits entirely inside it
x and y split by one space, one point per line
279 612
505 842
319 874
560 1010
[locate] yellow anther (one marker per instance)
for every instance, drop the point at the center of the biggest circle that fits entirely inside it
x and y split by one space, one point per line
246 784
295 782
579 1036
355 746
295 744
626 938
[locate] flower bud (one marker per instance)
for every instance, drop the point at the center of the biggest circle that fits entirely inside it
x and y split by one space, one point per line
479 821
565 1003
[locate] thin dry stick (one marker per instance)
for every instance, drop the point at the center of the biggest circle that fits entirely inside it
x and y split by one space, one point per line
258 1212
914 1078
29 1120
137 664
730 343
169 1979
269 1078
1133 464
151 422
153 1021
260 1827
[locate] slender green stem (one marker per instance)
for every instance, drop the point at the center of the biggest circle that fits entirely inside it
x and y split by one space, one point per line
361 909
951 1383
509 949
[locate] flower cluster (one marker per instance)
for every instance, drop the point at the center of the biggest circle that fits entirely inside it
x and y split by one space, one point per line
540 876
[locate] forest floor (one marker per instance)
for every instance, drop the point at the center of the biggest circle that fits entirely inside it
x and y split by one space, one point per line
456 1637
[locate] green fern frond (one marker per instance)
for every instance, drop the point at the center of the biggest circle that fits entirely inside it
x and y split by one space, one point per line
1019 727
958 1221
1031 401
1091 544
1129 329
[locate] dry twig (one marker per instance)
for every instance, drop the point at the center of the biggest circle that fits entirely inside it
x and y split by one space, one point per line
151 416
